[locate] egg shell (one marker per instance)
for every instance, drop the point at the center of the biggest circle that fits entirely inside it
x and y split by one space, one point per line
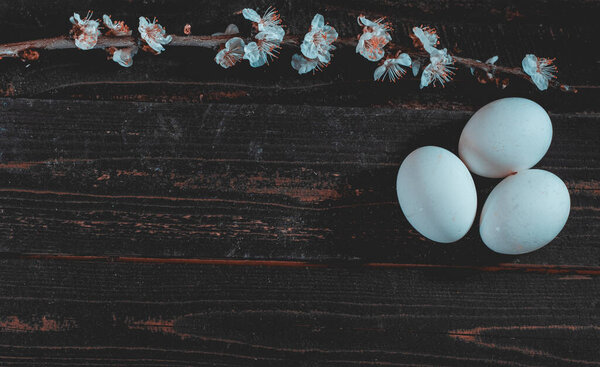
437 194
505 136
524 212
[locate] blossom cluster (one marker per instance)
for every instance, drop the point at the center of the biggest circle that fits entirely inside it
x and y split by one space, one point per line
86 31
315 50
371 44
439 69
316 47
259 52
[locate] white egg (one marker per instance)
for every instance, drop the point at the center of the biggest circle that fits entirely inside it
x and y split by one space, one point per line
505 136
437 194
524 212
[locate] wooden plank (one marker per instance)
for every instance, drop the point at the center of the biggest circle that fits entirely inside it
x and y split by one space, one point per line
468 28
254 181
31 18
268 234
101 313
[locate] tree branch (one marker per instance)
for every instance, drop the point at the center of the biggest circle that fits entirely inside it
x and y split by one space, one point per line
61 43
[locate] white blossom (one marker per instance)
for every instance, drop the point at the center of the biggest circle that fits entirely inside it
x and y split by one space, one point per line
373 39
264 49
304 65
259 53
427 36
232 53
154 34
540 69
270 19
268 39
438 70
392 68
124 56
85 31
318 41
118 28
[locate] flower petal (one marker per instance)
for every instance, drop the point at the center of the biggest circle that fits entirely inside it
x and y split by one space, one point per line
143 22
492 60
84 44
427 76
124 57
155 45
404 59
362 20
251 51
324 57
529 64
262 59
416 65
379 72
231 53
107 21
309 49
75 19
428 40
317 22
330 34
232 29
272 33
253 54
302 64
251 15
234 44
540 81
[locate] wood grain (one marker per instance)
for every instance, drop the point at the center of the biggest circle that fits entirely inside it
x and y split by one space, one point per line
252 220
176 180
103 313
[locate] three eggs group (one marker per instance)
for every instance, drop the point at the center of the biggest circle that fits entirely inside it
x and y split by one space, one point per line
504 139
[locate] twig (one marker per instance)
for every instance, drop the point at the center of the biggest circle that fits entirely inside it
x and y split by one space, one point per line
488 67
61 43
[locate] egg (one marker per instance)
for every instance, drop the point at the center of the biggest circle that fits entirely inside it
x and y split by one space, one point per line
437 194
524 212
505 136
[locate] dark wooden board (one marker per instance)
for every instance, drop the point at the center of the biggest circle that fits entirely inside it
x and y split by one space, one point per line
178 214
251 181
470 28
57 313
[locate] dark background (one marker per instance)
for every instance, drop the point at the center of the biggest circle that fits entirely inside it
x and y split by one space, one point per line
175 213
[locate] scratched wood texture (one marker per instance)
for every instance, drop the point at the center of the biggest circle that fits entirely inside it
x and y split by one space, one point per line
250 181
97 313
177 214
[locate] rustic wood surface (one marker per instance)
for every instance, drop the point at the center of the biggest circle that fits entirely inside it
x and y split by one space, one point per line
176 214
